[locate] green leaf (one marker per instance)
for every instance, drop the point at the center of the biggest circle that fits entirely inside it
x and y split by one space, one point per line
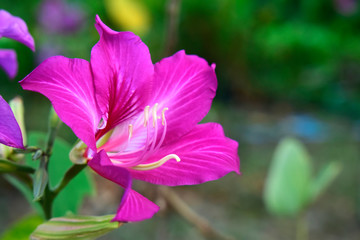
75 227
22 229
324 179
288 182
71 197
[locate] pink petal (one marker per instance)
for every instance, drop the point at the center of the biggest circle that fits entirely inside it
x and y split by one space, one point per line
15 28
10 133
68 85
8 62
186 85
123 72
205 153
133 206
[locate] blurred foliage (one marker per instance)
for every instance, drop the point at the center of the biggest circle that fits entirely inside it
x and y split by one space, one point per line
22 229
305 53
130 14
290 188
288 183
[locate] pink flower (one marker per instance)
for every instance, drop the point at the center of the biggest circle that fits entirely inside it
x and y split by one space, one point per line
14 28
139 120
10 133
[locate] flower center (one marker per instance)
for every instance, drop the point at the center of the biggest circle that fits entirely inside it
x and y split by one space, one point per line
135 159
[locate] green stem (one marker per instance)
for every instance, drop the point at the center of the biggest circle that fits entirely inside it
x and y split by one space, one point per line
46 203
50 194
302 232
72 172
54 124
47 197
30 149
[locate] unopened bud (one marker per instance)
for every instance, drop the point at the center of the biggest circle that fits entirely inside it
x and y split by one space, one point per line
37 154
17 106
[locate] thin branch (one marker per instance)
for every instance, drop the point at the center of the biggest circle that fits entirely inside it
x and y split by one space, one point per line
173 10
190 215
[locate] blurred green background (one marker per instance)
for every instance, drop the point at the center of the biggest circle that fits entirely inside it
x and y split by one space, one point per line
285 67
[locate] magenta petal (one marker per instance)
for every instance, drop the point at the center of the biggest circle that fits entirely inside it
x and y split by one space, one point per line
123 72
68 85
205 153
10 133
186 85
15 28
133 206
8 62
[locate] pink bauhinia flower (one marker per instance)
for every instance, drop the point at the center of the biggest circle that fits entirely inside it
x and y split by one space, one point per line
10 133
138 120
14 28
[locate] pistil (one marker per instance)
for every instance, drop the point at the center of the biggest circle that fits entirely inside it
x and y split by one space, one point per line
153 165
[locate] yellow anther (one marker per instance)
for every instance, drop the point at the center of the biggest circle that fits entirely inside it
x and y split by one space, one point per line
146 115
149 166
155 114
163 116
130 130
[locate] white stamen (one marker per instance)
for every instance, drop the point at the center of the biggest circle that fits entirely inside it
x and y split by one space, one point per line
163 120
149 166
155 114
146 115
130 131
155 125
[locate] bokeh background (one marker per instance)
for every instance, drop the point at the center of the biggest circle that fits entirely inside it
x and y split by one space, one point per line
284 67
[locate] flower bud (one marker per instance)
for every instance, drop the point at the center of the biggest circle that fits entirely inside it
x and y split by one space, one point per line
17 106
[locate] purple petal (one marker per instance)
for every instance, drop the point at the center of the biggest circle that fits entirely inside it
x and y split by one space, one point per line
205 153
133 206
186 85
68 85
15 28
123 72
8 62
10 133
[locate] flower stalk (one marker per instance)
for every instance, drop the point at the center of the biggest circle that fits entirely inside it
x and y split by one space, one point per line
302 231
